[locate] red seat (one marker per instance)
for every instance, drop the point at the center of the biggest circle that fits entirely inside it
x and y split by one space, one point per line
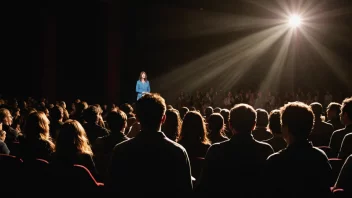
76 178
339 193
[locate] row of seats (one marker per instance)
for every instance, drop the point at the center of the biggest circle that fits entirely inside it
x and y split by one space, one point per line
38 173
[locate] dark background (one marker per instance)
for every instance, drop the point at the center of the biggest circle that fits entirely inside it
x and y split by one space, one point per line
94 50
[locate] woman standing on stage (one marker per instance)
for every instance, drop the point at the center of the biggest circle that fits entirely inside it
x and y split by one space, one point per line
143 85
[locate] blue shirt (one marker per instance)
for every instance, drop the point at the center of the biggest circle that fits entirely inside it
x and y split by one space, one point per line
142 88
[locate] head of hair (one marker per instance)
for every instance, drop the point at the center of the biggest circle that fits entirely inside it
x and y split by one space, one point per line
183 111
208 111
225 114
140 76
4 113
262 118
193 128
334 106
72 139
37 127
127 108
274 121
216 124
217 110
317 109
150 109
243 118
116 120
57 112
346 107
172 125
91 114
298 118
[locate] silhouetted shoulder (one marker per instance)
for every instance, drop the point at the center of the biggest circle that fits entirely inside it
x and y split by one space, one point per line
275 156
217 147
338 131
265 145
123 145
320 153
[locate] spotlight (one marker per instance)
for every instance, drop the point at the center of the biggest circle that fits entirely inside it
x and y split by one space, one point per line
294 21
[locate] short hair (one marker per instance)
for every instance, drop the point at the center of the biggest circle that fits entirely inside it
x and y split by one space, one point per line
243 118
91 114
116 120
217 110
56 112
169 107
317 108
183 112
298 118
346 107
274 121
262 118
225 114
334 106
127 108
150 109
208 111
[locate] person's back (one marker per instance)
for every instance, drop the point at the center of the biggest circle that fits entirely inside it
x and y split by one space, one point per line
150 162
346 147
322 131
236 165
300 169
345 177
346 119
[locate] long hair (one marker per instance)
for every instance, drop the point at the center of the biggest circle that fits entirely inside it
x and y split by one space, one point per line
37 127
193 128
140 76
172 125
216 125
73 139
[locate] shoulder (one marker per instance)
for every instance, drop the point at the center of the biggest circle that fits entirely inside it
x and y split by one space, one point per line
347 137
264 145
320 153
337 132
177 147
328 124
276 156
218 147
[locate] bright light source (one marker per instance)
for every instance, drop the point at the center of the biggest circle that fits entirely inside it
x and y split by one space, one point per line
294 21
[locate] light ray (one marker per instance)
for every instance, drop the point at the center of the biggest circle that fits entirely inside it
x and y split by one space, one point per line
331 59
272 78
237 56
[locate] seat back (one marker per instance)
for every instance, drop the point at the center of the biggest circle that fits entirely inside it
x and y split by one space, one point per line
336 165
328 151
74 178
36 170
11 172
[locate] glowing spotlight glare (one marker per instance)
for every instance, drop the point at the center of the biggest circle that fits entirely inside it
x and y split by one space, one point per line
294 21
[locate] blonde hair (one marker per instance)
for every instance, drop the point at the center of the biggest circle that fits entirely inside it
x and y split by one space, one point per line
73 139
37 127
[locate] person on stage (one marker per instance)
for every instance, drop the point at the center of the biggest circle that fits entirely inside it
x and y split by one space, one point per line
143 85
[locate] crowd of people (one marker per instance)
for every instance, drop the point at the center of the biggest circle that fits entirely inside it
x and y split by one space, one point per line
239 146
